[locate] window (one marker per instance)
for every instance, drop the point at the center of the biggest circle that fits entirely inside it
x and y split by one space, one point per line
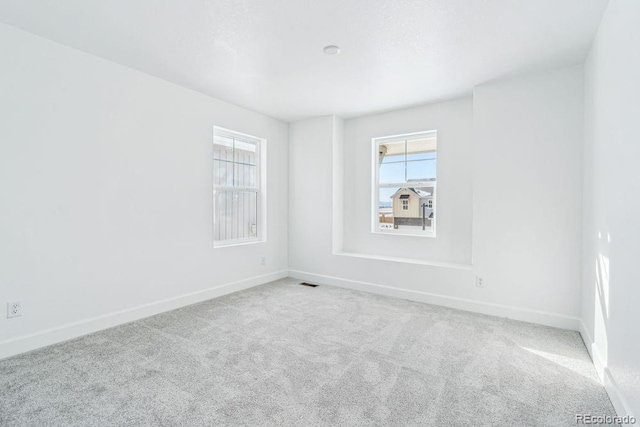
237 183
404 184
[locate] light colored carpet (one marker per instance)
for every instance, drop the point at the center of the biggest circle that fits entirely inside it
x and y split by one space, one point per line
285 354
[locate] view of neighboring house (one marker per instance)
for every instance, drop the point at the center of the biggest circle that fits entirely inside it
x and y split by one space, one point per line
413 207
406 183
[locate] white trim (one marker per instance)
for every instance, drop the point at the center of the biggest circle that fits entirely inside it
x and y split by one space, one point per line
237 242
413 184
260 189
238 189
498 310
375 179
14 346
409 136
418 233
229 133
458 266
606 377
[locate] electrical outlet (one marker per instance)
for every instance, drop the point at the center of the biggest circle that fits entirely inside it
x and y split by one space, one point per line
479 282
14 309
263 260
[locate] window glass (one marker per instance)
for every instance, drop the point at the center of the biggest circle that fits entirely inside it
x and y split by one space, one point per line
236 187
405 181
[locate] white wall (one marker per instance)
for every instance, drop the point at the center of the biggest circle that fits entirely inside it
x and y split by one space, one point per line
311 174
611 278
106 193
454 122
527 189
527 194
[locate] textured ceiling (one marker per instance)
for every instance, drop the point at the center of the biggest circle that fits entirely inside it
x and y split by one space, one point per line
267 55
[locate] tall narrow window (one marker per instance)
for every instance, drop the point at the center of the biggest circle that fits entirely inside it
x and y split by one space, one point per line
237 183
404 184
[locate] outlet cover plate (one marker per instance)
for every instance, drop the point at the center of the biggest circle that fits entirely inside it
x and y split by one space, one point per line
14 309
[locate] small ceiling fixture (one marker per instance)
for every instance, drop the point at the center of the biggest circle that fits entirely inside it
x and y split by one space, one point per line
331 50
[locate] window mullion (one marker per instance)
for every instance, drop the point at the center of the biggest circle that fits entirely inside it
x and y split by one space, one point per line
235 220
405 161
407 215
233 162
238 189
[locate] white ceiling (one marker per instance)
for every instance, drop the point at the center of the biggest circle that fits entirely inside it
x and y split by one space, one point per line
266 55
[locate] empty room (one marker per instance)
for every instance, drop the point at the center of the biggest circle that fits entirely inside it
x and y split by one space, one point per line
319 213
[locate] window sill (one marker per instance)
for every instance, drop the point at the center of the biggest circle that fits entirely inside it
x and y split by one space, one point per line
431 234
229 243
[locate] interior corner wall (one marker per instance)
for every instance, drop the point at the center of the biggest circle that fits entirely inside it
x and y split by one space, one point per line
528 137
611 230
338 187
311 192
106 194
526 168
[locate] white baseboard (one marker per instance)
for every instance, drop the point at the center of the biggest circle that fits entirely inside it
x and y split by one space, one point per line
516 313
69 331
606 377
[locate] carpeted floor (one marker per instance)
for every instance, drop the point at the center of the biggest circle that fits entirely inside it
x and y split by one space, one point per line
285 354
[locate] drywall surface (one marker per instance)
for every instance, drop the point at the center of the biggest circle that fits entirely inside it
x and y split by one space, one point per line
527 189
454 122
311 191
106 188
611 294
526 170
314 163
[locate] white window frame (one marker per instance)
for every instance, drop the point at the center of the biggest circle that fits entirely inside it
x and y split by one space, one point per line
260 189
375 186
